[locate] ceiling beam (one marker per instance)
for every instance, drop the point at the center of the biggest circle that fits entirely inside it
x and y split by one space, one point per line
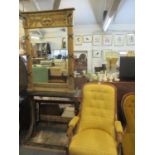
36 4
111 14
56 4
98 9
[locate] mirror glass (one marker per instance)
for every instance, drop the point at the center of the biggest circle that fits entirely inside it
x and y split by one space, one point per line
49 55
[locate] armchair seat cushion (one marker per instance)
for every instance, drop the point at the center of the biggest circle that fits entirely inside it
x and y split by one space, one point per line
93 142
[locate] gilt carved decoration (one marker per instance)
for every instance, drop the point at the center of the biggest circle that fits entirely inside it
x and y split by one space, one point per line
48 19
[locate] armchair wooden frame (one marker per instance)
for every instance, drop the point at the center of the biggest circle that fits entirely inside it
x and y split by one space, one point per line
74 124
122 107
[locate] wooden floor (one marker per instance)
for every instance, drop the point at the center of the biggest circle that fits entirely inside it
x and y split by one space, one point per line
48 139
35 151
51 134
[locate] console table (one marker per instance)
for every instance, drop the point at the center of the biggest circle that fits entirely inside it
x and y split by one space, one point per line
45 121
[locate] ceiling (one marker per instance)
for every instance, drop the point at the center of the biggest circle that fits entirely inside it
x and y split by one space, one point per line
87 12
126 13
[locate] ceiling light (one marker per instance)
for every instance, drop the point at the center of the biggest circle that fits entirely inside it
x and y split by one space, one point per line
35 37
123 53
107 23
111 13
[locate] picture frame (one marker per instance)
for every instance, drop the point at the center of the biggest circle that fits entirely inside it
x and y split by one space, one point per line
130 39
87 38
80 61
97 40
107 40
97 53
119 39
78 40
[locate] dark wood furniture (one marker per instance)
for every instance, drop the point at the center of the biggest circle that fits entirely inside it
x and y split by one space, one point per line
54 98
42 120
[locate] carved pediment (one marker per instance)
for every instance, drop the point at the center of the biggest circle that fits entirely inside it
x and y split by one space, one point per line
44 19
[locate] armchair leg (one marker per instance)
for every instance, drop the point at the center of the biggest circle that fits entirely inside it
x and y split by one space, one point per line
67 151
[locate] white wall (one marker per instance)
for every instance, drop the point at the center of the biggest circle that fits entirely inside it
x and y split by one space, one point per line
96 29
54 38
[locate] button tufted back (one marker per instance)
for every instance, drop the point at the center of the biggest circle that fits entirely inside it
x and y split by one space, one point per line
128 104
98 107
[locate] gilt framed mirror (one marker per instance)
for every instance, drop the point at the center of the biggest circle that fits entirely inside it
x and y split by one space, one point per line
49 48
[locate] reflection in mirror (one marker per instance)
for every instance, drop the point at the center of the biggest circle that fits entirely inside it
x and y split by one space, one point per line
49 55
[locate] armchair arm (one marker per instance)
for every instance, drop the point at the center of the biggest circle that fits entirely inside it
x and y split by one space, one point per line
118 127
72 125
119 131
74 121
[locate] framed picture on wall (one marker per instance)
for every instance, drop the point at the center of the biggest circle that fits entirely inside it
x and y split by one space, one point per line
97 40
119 39
107 40
78 40
130 39
80 61
97 53
87 39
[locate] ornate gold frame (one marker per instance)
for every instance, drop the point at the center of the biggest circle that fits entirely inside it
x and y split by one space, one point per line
50 19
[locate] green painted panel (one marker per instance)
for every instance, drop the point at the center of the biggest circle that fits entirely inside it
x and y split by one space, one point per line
39 74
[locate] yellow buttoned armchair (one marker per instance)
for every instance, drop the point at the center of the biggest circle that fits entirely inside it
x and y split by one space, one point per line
128 107
96 130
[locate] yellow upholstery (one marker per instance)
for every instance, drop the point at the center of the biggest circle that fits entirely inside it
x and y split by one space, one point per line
93 142
98 108
128 143
118 126
96 128
129 111
74 121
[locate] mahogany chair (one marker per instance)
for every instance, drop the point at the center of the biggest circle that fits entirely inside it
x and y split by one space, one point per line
128 107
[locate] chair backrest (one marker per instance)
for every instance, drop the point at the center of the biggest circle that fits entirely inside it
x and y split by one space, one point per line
98 107
128 106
